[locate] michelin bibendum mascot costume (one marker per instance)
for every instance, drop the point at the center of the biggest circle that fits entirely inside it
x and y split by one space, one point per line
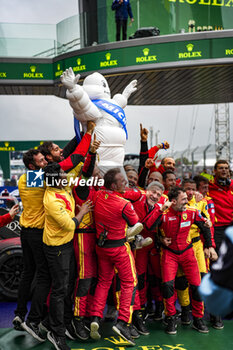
93 101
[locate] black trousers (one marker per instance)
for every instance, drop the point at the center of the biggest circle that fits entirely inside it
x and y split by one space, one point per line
35 269
60 262
121 23
69 298
219 232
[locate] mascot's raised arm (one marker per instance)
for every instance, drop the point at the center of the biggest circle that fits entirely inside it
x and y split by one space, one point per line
92 101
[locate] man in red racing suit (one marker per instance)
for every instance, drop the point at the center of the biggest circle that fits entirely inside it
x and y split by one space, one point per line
112 215
144 204
174 225
84 248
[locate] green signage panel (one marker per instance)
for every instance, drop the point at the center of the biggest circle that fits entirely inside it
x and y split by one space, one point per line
175 51
58 69
222 48
79 64
11 146
26 71
153 53
138 55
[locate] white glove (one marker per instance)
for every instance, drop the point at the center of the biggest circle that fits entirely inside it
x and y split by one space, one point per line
132 87
68 79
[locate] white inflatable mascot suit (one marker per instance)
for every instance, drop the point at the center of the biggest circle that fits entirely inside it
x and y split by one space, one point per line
92 101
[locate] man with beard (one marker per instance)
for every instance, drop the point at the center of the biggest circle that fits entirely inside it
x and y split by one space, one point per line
169 180
112 215
190 188
32 222
174 225
132 177
221 192
145 204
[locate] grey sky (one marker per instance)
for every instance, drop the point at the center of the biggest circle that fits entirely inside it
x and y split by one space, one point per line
48 117
32 11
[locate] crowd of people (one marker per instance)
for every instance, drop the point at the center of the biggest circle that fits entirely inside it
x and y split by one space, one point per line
137 244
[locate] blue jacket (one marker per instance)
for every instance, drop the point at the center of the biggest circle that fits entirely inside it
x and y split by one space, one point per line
122 10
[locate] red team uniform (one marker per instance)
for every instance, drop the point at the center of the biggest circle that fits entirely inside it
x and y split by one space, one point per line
222 197
147 255
176 225
112 215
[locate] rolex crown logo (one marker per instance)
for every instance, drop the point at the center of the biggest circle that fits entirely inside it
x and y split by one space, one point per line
6 144
190 47
58 67
146 51
78 61
115 341
108 56
33 69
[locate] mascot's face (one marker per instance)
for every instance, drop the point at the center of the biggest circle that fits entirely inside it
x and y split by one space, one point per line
96 86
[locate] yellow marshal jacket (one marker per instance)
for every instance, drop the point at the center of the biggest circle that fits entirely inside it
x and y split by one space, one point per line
203 210
33 209
59 213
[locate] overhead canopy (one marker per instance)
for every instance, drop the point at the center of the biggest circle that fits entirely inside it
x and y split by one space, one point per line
194 68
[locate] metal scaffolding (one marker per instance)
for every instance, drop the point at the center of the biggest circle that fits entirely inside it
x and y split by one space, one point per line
222 131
